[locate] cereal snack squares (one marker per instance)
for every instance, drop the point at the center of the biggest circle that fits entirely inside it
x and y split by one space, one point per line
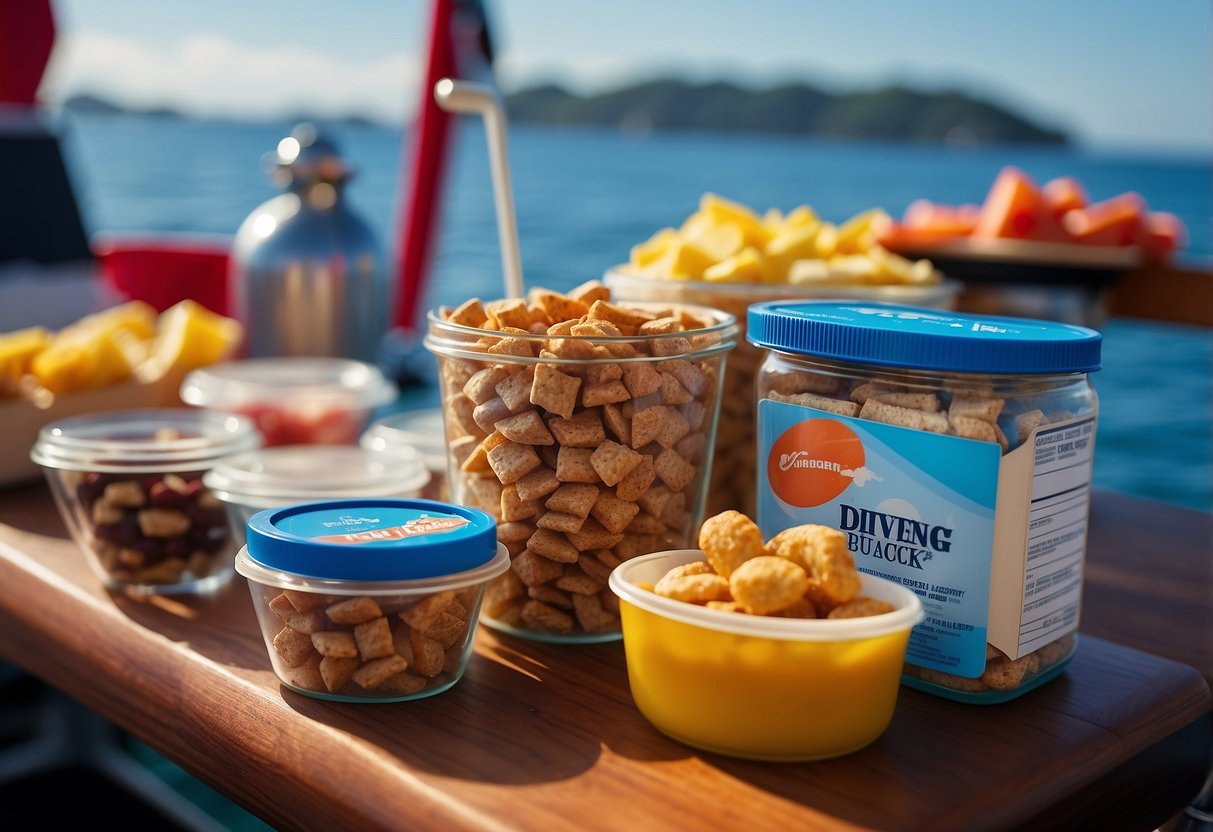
585 428
363 647
803 572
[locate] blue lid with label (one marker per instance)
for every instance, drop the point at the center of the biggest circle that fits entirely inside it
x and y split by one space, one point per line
372 539
922 339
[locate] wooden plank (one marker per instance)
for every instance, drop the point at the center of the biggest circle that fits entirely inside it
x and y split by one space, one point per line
1171 294
547 736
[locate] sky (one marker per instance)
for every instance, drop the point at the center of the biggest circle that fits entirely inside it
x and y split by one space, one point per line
1133 74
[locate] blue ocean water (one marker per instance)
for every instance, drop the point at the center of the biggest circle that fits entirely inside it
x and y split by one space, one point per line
584 197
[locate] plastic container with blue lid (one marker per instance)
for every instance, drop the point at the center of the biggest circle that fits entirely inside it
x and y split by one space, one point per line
370 599
955 452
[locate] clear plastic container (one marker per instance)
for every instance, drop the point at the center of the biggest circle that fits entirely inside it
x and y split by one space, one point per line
417 432
395 621
761 687
955 452
590 447
272 477
294 400
734 475
129 486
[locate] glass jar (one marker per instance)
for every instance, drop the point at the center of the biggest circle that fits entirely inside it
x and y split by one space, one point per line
249 482
294 400
955 453
590 443
419 433
129 486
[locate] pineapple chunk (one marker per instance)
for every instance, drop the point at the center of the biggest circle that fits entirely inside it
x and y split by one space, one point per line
17 350
792 244
746 266
860 233
719 210
653 249
189 336
719 241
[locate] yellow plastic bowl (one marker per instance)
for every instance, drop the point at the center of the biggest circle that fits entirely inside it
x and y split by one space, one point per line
758 687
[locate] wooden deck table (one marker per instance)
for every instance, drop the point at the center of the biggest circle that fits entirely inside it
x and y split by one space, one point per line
538 736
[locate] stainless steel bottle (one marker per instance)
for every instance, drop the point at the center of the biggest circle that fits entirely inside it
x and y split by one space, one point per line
308 275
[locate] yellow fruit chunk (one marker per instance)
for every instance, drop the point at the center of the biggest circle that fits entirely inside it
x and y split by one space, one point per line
188 336
802 215
809 272
653 249
137 317
719 210
18 348
772 221
746 266
797 243
84 358
719 241
683 261
827 240
860 232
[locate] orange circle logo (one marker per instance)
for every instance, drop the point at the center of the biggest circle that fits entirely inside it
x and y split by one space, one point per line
806 464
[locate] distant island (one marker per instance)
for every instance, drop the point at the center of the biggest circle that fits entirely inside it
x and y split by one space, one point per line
891 114
895 114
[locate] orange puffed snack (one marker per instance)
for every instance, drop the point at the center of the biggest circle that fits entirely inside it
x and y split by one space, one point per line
803 572
822 553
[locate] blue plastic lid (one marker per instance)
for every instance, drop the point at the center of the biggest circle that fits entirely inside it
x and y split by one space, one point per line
922 339
372 539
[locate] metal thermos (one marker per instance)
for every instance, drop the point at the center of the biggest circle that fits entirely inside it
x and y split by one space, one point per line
308 275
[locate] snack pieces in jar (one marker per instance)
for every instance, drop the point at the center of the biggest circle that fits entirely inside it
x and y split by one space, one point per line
129 486
585 427
955 453
391 621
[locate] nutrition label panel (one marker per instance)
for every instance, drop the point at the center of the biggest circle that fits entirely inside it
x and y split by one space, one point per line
1057 532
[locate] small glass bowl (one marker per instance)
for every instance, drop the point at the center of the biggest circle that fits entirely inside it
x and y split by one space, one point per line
272 477
761 687
370 600
129 486
417 432
294 400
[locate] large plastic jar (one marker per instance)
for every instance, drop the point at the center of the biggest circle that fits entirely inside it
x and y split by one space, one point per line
955 453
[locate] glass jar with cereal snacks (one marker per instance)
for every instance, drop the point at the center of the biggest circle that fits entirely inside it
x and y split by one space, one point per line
585 427
955 452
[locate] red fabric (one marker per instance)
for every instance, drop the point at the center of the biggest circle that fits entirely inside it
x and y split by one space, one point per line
427 167
27 33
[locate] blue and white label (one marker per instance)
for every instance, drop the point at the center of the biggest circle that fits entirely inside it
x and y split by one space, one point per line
917 508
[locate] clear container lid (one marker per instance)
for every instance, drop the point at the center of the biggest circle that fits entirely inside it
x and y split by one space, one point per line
151 439
373 539
287 380
278 476
420 432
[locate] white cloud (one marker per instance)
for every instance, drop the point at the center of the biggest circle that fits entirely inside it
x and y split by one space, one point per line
210 75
